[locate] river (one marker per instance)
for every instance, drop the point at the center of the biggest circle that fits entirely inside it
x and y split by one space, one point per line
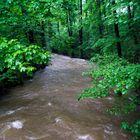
46 107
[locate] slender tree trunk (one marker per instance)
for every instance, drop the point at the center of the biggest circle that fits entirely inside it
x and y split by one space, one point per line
30 35
43 40
69 22
100 18
86 10
81 28
58 27
118 44
117 33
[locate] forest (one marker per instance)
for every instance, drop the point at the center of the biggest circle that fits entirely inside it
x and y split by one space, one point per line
105 32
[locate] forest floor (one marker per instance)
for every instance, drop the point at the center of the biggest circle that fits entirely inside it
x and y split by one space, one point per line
46 107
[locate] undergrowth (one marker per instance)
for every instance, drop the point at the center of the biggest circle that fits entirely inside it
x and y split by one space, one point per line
18 61
114 75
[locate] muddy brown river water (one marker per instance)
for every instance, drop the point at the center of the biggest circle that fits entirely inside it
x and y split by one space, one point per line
46 107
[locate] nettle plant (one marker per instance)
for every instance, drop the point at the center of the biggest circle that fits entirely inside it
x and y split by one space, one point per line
17 60
112 74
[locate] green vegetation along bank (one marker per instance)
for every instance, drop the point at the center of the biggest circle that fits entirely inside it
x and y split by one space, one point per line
18 62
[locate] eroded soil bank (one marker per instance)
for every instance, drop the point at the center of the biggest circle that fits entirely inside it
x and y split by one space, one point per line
46 107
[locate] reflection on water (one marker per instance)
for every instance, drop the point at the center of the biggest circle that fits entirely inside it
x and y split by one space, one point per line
46 108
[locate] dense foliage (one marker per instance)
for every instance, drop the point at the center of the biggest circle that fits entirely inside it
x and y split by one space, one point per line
78 28
18 61
133 128
108 31
113 74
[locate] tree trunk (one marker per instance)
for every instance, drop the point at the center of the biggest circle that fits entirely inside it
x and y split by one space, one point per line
81 28
69 23
117 33
86 10
58 27
30 35
43 40
100 18
118 44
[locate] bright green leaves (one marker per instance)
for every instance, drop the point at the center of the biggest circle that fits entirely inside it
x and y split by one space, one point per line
17 59
124 125
94 92
133 128
113 74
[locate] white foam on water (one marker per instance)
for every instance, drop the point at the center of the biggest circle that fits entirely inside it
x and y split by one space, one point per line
20 108
58 120
16 124
49 104
108 132
84 137
10 112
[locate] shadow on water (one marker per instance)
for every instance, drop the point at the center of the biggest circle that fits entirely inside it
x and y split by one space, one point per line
46 107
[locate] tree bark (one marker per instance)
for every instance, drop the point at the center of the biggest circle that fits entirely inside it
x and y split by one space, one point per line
86 11
117 33
30 35
43 40
58 27
81 28
100 18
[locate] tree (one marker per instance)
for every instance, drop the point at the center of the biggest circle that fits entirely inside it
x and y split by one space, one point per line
80 21
117 32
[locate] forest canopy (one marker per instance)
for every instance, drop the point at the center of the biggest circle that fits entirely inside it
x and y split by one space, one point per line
78 28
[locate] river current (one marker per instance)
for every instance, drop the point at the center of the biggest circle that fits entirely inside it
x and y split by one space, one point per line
46 107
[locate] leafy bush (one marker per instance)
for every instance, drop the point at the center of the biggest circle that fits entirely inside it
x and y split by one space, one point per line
17 60
132 128
112 74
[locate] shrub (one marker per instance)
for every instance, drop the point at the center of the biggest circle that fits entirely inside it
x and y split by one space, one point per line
132 128
17 60
112 74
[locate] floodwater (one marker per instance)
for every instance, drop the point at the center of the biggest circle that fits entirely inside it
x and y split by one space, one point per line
46 107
